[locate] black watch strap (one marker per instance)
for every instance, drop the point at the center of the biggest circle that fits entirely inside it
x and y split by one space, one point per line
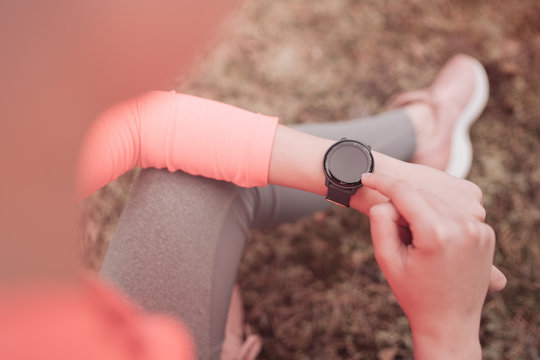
338 195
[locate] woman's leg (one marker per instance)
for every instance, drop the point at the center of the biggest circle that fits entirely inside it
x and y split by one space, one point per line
179 240
176 250
391 133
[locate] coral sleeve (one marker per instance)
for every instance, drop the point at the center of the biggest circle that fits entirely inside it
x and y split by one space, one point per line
177 132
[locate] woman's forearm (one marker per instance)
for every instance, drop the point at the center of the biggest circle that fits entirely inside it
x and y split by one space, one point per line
296 162
458 344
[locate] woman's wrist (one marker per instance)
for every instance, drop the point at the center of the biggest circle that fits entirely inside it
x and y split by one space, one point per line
296 162
449 342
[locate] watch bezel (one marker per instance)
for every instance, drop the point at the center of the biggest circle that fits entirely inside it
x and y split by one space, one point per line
337 182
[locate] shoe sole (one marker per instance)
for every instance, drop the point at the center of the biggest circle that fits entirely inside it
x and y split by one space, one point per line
461 152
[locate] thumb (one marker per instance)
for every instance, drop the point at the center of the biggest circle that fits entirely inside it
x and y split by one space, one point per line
497 282
385 234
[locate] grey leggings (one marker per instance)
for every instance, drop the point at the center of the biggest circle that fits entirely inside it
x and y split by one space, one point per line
180 238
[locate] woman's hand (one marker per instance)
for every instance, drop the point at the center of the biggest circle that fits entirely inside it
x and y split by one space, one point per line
460 194
438 263
296 161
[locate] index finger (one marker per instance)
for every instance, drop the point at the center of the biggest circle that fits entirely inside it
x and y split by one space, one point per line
409 202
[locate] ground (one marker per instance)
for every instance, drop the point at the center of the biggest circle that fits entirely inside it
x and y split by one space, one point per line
312 288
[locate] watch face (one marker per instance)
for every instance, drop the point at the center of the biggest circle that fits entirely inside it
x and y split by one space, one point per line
346 161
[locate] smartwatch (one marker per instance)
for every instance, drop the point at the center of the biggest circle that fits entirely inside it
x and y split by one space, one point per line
343 165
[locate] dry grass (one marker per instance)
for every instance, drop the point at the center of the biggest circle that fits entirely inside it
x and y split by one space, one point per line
312 288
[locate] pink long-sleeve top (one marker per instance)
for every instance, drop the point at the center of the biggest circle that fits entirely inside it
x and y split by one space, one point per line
161 130
178 132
